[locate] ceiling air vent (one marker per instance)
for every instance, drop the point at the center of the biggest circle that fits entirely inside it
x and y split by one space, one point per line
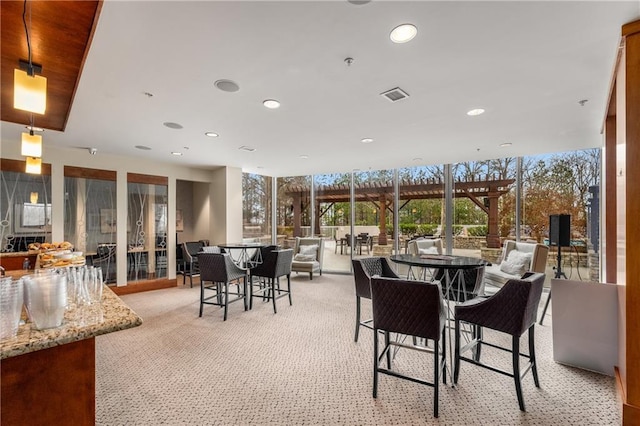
395 95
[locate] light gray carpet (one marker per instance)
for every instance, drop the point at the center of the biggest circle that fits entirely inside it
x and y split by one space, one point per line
301 367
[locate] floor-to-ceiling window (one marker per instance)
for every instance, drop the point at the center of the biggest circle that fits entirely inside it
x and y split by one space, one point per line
421 203
564 183
333 219
256 207
294 208
486 207
373 213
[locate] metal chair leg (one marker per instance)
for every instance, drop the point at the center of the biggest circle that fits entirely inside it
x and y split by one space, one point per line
201 297
516 371
532 355
273 294
456 353
375 363
436 379
357 318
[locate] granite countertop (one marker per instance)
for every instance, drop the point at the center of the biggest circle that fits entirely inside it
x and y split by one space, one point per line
79 323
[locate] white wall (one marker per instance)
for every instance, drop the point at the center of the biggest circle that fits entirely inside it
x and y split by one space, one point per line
226 205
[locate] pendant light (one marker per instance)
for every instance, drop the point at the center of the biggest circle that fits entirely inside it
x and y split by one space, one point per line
29 89
34 165
34 198
31 145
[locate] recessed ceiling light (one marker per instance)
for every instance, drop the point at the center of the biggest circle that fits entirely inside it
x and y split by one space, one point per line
367 140
247 148
359 2
171 125
475 112
227 85
178 154
259 167
212 134
304 157
417 159
142 147
506 144
271 103
403 33
34 128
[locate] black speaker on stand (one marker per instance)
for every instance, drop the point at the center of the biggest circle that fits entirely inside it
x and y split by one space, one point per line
559 236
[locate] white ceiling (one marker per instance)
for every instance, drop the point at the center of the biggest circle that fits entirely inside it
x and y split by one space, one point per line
526 63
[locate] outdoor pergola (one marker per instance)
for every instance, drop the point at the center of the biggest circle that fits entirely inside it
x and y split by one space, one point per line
484 194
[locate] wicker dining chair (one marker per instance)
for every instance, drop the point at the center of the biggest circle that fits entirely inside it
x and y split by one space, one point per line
217 274
512 310
413 308
363 269
275 264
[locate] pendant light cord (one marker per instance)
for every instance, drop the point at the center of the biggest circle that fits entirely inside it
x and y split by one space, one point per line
26 30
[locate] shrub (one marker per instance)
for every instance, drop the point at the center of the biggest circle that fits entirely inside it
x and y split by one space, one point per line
408 228
427 229
478 231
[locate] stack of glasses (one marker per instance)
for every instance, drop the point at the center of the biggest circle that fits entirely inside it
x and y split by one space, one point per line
47 294
11 299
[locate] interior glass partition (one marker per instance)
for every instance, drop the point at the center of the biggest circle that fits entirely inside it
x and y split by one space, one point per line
90 216
256 207
25 210
333 219
146 227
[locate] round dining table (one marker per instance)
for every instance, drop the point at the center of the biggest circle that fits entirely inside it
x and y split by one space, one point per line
245 255
454 278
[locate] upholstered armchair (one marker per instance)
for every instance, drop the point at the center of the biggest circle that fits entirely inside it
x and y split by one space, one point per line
425 246
517 258
307 256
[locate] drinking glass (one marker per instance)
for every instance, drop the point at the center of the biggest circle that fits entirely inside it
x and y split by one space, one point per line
11 298
45 299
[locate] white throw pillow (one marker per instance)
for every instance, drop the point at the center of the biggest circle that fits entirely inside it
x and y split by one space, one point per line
309 250
428 250
304 257
517 263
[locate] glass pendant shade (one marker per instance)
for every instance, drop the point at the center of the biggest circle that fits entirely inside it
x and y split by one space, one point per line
34 165
29 93
31 145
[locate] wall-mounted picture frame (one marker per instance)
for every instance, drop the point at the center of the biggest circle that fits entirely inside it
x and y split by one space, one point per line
108 224
179 221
